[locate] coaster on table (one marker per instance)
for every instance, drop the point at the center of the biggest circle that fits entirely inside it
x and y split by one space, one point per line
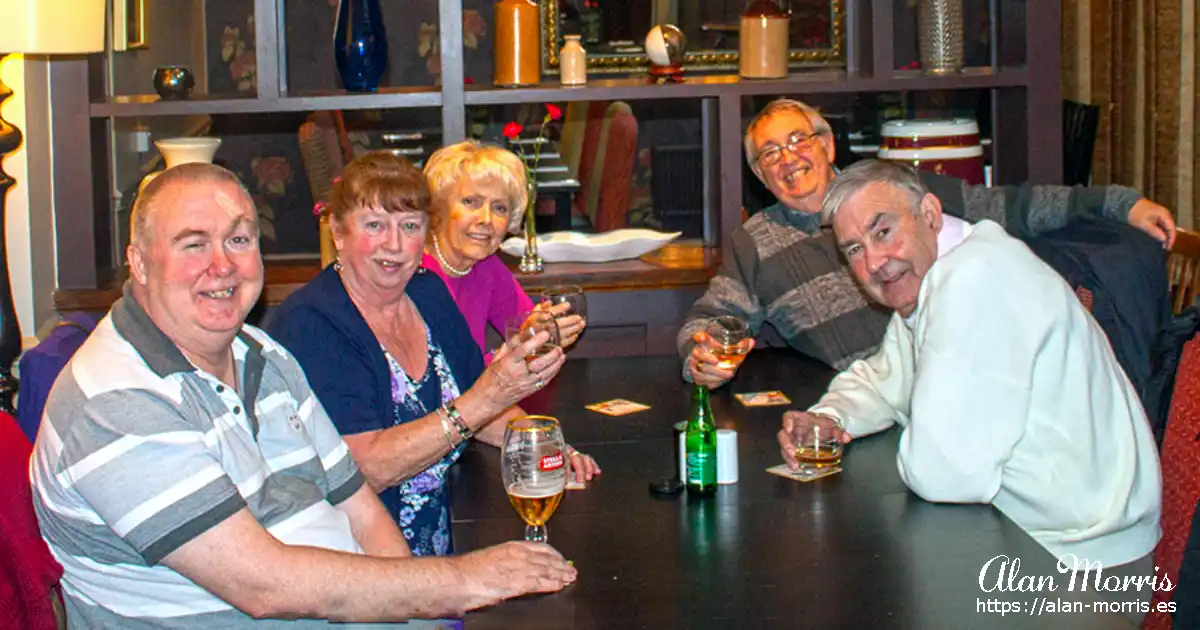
617 407
763 399
801 475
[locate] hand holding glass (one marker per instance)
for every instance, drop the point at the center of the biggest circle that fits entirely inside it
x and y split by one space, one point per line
818 443
727 337
523 327
567 294
534 468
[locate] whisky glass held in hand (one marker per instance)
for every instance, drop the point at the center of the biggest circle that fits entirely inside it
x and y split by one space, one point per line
727 340
570 294
818 445
522 327
534 468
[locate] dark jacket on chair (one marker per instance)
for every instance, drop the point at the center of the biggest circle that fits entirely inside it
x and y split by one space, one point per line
1125 270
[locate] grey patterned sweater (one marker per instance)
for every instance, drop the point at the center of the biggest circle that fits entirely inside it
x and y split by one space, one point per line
785 268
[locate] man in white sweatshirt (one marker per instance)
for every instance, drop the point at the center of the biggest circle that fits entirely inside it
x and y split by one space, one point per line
1006 388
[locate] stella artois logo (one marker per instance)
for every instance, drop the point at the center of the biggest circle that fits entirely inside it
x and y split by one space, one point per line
551 462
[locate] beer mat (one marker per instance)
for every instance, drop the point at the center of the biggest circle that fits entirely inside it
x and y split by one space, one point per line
763 399
575 483
799 475
617 407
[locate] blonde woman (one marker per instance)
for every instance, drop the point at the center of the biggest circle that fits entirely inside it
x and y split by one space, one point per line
479 195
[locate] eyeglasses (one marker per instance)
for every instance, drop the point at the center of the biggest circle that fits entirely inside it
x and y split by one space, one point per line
796 142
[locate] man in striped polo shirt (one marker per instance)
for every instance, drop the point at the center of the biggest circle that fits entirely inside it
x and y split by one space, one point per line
185 475
785 268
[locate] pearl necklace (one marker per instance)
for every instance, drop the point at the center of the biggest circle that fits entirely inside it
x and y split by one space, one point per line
437 251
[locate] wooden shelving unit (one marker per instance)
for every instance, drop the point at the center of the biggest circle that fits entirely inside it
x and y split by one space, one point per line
1022 81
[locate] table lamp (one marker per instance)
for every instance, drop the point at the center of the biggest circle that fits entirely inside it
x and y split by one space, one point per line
39 27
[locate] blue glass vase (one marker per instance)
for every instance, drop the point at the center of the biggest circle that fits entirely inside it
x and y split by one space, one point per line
360 44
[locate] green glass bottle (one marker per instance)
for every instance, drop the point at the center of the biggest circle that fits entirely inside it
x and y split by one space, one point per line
701 449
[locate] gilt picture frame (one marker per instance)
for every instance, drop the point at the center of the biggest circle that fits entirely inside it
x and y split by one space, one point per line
128 24
831 55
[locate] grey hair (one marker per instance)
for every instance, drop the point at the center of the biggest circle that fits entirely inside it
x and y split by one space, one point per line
818 122
860 175
192 173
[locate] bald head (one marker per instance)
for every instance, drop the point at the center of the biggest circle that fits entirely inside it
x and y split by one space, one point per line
159 188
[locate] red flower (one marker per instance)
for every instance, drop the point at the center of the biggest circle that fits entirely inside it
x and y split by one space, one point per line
554 111
512 130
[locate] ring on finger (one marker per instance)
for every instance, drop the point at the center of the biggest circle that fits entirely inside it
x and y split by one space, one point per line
539 384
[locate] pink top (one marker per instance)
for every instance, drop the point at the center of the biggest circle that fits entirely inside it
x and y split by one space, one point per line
488 295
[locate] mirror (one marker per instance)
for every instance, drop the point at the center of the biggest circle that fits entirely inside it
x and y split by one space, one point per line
613 32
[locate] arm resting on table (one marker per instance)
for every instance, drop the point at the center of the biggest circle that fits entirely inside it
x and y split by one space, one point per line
873 393
243 564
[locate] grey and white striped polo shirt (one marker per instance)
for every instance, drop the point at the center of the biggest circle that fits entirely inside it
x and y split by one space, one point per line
139 452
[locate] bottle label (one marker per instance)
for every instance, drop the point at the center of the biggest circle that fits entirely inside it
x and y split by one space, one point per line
701 468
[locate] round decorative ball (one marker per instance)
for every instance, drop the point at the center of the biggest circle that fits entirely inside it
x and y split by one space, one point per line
173 82
665 45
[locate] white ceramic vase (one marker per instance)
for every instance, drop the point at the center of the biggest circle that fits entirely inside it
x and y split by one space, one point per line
176 151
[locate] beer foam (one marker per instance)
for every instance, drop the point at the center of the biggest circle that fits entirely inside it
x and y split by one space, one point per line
540 491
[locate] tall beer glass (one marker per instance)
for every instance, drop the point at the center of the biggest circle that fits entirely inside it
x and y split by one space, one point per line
534 468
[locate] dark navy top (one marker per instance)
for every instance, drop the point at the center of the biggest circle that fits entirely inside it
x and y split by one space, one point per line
360 389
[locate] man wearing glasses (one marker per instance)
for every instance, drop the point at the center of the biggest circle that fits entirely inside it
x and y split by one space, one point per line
783 269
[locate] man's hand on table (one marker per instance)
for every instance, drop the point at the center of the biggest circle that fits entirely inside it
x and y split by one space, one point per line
798 424
702 364
513 569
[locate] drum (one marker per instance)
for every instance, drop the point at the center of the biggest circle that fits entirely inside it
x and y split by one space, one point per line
946 147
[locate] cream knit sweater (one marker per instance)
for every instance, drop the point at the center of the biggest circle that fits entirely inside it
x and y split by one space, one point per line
1009 393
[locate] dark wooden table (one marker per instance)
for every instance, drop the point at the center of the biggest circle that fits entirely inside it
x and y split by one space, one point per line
856 550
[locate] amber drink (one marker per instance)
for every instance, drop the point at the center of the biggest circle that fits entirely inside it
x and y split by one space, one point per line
826 455
535 508
730 357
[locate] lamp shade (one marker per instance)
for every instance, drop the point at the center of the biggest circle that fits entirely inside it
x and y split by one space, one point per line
50 27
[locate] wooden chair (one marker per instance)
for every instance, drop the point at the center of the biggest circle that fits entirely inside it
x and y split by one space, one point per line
600 140
1183 269
325 148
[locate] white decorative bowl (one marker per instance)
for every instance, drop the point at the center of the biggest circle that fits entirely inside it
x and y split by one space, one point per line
592 248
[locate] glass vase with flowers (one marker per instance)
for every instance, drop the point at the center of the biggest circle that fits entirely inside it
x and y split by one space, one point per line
531 261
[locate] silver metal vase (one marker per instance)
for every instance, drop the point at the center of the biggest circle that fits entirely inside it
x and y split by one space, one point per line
940 23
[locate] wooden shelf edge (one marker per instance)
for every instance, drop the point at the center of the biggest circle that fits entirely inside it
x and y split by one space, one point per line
148 105
816 81
635 88
673 266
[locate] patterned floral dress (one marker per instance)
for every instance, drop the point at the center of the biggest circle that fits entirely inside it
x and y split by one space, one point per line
424 517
